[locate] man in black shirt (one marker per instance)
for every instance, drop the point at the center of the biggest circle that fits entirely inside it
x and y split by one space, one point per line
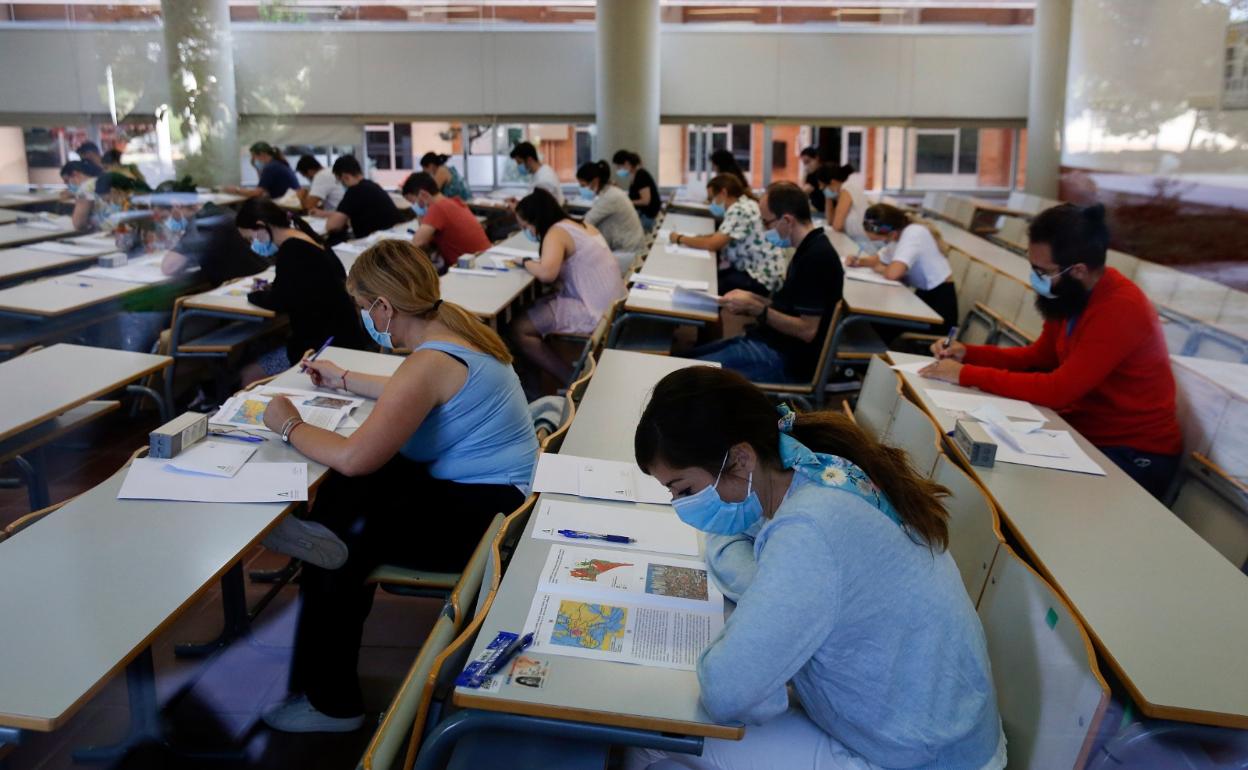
365 206
784 344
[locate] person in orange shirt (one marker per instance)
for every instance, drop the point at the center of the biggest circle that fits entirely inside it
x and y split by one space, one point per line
446 223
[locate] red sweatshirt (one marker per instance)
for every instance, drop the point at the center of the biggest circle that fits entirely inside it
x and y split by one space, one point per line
1109 377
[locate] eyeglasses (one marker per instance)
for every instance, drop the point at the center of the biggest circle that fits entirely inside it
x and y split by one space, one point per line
1041 273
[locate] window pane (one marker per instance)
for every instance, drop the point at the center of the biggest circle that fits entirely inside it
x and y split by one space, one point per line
741 144
378 149
968 151
934 154
403 146
853 149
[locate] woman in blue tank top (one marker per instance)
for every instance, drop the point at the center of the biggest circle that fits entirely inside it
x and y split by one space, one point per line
449 444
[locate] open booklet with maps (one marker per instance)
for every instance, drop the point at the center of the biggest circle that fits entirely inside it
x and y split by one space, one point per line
625 606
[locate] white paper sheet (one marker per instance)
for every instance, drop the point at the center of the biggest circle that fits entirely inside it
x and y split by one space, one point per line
619 631
1074 459
243 286
914 367
696 300
867 275
662 280
686 251
473 271
956 401
214 458
510 251
72 249
139 270
659 531
150 479
598 479
608 574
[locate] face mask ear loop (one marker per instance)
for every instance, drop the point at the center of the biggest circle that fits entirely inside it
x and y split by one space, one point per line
722 465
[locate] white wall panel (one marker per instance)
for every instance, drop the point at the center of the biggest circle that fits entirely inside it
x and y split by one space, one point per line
409 72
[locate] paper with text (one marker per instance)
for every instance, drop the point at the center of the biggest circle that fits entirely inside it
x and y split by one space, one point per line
607 574
149 479
600 479
214 458
659 531
956 401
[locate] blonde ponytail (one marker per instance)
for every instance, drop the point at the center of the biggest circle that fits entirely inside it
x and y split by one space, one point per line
403 274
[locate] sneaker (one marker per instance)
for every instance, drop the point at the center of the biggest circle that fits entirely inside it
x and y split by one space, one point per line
307 541
298 716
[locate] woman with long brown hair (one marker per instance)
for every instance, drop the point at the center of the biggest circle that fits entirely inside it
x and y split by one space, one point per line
448 445
834 550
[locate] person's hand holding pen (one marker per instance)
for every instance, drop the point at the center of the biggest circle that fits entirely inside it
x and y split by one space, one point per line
949 355
326 374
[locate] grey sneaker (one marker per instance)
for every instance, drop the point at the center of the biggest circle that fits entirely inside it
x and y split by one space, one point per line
307 541
297 715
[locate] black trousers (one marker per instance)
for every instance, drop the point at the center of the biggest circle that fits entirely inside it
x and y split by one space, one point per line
396 515
944 300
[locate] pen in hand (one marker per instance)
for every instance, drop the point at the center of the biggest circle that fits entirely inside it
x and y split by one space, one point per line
303 367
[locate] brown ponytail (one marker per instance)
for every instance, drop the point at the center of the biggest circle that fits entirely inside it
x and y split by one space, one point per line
695 415
403 274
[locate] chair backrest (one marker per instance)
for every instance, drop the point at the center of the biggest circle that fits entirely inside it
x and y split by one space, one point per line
915 432
827 356
963 212
975 287
1199 298
1207 343
974 530
25 521
878 397
1049 690
576 391
1009 337
978 328
958 263
1158 282
1014 231
554 441
1122 262
1006 296
1028 319
929 201
1215 506
395 728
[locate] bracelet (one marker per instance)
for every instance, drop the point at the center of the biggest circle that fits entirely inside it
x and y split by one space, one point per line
345 372
289 426
678 238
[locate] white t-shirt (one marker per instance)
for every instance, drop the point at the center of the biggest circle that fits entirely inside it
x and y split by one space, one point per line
917 249
546 179
858 205
325 187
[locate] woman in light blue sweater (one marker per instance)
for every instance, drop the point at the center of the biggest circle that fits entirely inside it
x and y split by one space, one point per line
853 643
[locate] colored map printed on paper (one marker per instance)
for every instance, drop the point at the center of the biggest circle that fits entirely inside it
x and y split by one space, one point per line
678 582
590 625
250 412
589 569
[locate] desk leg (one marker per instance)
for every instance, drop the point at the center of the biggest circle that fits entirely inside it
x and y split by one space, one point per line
438 745
237 622
34 470
162 405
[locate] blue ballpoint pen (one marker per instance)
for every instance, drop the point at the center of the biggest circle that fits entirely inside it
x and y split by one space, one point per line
304 366
513 649
572 533
245 437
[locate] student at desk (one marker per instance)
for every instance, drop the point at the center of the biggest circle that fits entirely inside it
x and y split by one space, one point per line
364 206
448 445
276 176
1101 360
308 286
112 211
845 199
89 153
539 175
784 343
112 162
324 192
80 188
450 183
611 211
835 552
575 255
445 223
748 259
211 242
913 253
643 191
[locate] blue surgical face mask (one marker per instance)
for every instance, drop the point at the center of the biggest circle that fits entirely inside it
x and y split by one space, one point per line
532 236
708 512
381 338
418 209
622 173
772 236
176 225
524 170
73 188
717 210
265 249
586 192
1043 284
829 193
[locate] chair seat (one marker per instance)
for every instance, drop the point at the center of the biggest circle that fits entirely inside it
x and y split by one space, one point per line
392 575
507 749
860 341
641 335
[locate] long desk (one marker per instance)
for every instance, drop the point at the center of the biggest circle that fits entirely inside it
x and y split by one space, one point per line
9 216
22 264
491 297
20 199
637 698
662 261
37 229
114 574
1167 611
880 303
41 386
1002 260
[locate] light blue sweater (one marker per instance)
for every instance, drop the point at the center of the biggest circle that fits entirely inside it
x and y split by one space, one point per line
875 633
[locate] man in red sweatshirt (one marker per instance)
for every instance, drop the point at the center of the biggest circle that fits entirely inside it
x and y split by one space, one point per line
1101 360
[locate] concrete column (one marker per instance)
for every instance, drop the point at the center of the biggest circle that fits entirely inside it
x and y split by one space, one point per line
627 93
1046 100
204 121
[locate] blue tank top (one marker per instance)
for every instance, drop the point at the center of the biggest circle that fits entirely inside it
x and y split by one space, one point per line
483 434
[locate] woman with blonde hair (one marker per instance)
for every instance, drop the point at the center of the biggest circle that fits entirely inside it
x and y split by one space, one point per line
448 445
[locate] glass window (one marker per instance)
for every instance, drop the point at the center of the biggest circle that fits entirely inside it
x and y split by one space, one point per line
968 150
379 147
934 152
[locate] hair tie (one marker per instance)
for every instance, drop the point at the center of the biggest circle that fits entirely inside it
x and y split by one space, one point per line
436 304
787 418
